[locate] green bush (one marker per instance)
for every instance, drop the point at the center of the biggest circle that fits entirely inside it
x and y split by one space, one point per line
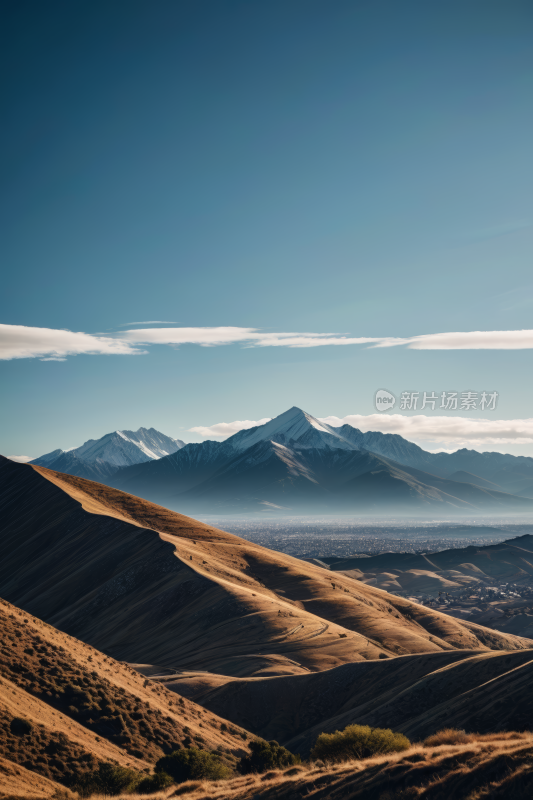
154 783
107 779
192 764
265 756
358 741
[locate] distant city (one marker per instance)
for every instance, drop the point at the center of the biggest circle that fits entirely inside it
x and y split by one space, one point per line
313 537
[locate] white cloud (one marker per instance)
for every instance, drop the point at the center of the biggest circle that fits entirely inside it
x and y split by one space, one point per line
252 337
457 430
469 340
21 459
221 430
19 341
206 337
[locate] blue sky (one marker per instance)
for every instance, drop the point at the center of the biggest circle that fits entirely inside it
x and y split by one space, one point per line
351 168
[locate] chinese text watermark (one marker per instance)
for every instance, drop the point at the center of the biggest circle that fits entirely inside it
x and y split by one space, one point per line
446 401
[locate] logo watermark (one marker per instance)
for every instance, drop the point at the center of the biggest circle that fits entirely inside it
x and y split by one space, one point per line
446 401
384 400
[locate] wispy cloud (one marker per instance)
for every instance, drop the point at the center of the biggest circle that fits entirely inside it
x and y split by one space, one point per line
221 430
21 459
18 341
251 337
459 431
466 340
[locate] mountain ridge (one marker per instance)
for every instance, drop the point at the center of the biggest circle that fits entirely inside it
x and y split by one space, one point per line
98 459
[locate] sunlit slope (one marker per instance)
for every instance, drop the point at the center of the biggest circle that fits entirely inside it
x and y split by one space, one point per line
18 782
83 707
151 586
416 694
509 561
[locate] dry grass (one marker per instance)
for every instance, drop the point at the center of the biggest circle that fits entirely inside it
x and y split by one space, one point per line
491 767
83 708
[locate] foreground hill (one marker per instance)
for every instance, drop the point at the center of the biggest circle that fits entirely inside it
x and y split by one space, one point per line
81 707
494 767
151 586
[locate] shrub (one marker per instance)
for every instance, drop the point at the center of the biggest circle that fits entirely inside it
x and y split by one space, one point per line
192 764
448 736
107 779
20 726
358 741
265 756
154 783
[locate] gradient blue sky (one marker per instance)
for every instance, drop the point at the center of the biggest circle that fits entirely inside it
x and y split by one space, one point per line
360 168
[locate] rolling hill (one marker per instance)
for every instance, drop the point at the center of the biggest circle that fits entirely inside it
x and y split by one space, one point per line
151 586
509 561
417 695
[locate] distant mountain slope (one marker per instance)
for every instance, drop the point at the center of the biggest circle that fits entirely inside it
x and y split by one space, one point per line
98 459
298 463
83 707
151 586
314 479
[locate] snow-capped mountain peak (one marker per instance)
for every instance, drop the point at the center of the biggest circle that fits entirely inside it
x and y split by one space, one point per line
117 449
293 426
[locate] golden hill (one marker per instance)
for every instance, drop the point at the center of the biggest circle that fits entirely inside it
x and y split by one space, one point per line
151 586
82 707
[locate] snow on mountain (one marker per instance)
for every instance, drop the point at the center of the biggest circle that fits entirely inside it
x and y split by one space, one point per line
111 452
123 448
294 426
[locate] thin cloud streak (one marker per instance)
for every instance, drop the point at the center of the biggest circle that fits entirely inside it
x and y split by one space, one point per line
19 341
467 340
251 337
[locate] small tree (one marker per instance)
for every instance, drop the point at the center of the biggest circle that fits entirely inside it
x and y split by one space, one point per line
358 741
265 756
192 764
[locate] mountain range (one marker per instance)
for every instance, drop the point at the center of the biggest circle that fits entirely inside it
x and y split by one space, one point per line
296 463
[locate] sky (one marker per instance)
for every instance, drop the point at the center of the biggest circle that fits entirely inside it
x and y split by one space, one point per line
211 212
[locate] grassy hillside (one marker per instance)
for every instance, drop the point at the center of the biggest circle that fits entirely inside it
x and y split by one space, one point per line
151 586
81 707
